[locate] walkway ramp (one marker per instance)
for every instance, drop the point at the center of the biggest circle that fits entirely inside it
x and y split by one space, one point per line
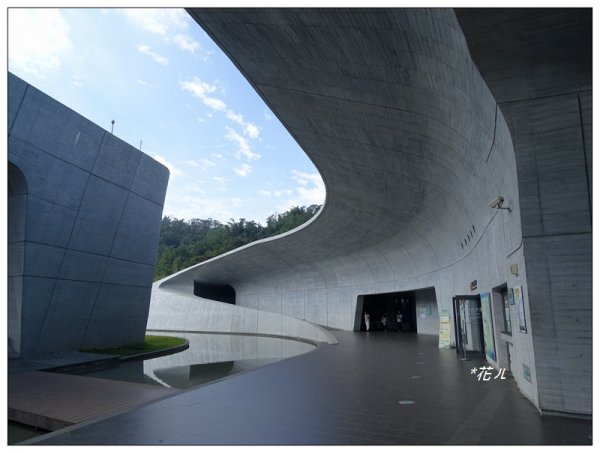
53 401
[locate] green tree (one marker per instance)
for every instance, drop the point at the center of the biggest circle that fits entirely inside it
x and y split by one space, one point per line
184 243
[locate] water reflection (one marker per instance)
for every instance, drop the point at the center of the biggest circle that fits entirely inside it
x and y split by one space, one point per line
209 357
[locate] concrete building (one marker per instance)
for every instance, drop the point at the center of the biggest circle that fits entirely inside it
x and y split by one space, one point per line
455 147
84 211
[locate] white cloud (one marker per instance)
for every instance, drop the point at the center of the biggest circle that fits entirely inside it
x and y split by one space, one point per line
147 84
158 21
172 169
310 190
198 88
184 205
268 116
76 80
235 202
220 179
186 43
275 193
38 40
194 188
146 50
251 130
203 163
214 103
170 24
237 117
243 145
201 90
243 169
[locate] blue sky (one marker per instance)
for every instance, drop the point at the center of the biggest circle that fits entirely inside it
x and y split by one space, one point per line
166 84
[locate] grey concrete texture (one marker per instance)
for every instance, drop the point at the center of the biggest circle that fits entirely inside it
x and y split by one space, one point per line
410 144
399 171
184 312
84 226
392 108
541 75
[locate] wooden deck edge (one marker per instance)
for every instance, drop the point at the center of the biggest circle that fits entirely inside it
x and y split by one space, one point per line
36 420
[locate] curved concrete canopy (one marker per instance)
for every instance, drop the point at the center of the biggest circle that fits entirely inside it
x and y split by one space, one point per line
410 144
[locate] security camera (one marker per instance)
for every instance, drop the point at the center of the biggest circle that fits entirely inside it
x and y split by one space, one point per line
496 202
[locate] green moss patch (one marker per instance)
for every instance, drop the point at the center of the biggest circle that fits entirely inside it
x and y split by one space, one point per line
151 343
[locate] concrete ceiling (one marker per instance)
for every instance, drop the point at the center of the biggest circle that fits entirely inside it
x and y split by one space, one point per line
393 113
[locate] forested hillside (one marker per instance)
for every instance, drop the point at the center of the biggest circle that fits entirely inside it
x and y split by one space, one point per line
184 243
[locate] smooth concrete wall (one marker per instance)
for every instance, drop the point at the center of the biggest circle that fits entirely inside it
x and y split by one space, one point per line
93 207
183 312
557 245
541 76
428 320
412 146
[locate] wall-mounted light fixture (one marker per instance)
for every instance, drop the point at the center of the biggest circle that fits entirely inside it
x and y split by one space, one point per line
514 269
497 202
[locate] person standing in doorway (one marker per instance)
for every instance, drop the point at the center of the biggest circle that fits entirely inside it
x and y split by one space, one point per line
367 321
384 322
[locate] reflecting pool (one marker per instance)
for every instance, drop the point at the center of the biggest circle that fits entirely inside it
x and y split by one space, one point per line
210 357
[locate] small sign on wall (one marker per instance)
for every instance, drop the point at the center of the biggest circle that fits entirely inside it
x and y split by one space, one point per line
511 296
526 372
444 341
473 285
424 311
520 303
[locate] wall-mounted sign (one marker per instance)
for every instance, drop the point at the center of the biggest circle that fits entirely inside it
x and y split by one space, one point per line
444 341
514 269
520 303
526 372
511 296
488 326
424 311
473 285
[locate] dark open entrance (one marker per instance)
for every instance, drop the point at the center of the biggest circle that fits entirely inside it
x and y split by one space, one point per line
395 312
221 293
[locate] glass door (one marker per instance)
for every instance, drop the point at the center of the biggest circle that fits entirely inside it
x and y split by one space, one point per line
468 325
506 311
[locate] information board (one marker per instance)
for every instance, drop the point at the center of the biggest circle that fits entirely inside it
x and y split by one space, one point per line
444 342
488 326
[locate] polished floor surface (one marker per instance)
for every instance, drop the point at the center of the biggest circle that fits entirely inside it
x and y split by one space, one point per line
375 388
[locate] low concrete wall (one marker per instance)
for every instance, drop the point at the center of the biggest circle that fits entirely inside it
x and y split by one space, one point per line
184 312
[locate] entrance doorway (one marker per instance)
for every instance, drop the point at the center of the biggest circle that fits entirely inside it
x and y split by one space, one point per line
468 326
394 312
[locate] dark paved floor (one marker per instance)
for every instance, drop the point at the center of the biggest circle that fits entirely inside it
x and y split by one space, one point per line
343 394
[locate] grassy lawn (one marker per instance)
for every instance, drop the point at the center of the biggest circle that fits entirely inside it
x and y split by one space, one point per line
151 343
